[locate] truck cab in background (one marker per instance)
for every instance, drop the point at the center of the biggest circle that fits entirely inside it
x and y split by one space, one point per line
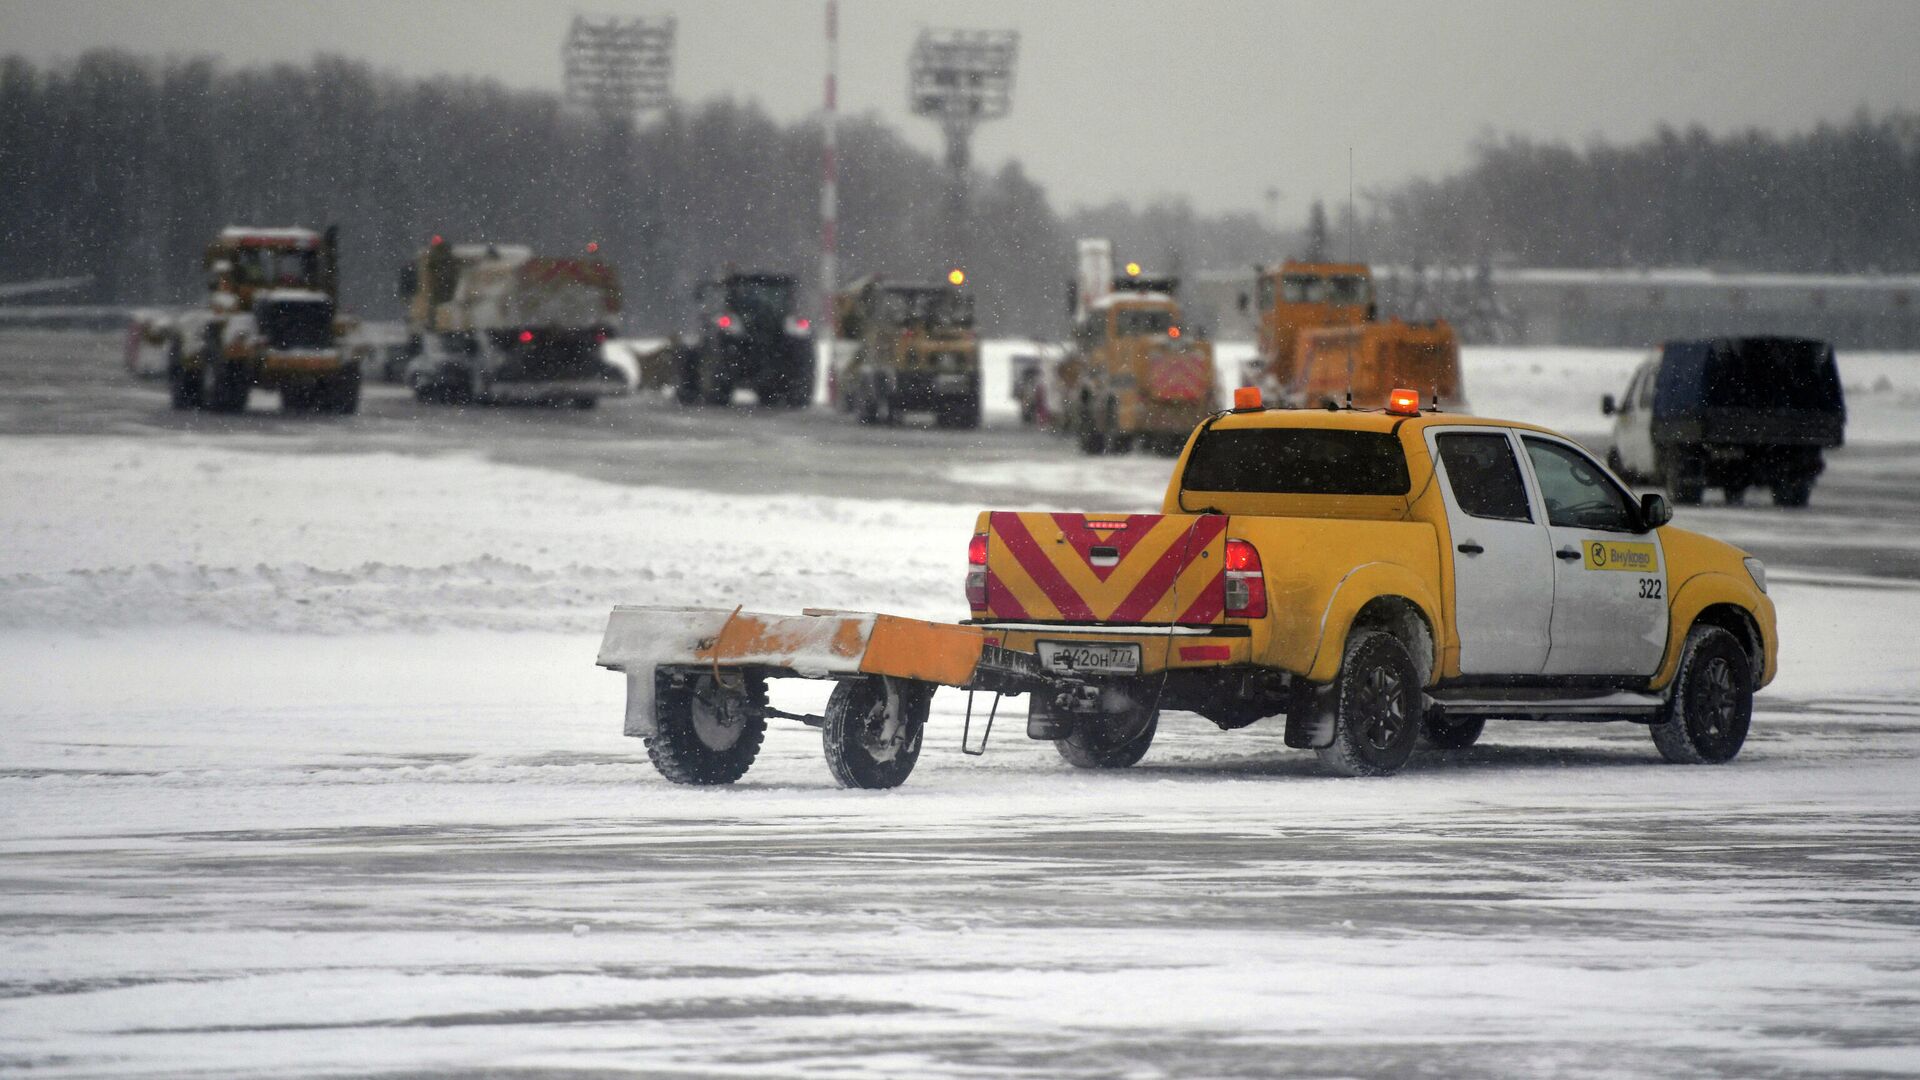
1135 371
749 334
1730 413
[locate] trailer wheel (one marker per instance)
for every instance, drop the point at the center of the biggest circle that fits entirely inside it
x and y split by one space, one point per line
1114 741
1712 702
1376 708
706 733
861 752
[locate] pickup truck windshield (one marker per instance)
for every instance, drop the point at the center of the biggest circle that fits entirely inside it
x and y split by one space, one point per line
1293 461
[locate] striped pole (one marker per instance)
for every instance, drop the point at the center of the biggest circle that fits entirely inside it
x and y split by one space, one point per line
830 172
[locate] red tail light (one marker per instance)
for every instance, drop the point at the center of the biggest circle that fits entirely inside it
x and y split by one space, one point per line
804 324
600 337
723 321
977 572
526 336
1246 583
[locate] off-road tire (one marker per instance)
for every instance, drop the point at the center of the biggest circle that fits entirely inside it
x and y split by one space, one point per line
343 395
696 741
1376 708
856 713
1794 493
1684 474
1441 733
959 413
1093 441
183 389
1711 705
1110 742
223 387
300 398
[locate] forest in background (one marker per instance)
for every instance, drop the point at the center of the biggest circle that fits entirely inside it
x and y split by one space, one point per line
121 168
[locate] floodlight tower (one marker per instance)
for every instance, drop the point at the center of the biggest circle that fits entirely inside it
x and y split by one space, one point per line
619 70
961 78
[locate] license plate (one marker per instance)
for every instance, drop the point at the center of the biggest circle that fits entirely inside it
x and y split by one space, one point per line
1089 657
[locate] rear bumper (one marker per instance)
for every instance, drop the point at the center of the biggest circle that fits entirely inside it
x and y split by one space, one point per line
298 363
1162 648
555 389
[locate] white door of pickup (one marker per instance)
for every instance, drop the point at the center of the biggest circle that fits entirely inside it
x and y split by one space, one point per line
1502 564
1609 578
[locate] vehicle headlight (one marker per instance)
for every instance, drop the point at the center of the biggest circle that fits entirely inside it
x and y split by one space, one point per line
1757 570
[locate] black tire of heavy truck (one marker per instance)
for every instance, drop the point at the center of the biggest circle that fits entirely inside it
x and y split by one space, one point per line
856 718
1443 733
223 387
1376 708
705 733
1093 441
299 397
1110 742
686 386
183 389
1683 470
1711 705
341 393
1794 492
959 413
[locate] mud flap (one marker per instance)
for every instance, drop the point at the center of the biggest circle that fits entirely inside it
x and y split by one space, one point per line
641 723
1310 716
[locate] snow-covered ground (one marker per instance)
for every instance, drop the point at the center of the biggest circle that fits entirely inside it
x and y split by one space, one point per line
305 768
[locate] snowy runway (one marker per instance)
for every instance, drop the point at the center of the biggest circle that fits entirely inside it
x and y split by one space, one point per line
305 769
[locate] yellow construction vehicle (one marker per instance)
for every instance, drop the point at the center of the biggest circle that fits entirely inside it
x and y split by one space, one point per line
1134 371
272 321
1321 339
906 347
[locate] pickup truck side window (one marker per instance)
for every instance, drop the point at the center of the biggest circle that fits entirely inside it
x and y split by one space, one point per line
1578 494
1484 476
1297 461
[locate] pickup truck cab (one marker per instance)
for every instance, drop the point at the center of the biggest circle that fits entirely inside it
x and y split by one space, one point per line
1382 579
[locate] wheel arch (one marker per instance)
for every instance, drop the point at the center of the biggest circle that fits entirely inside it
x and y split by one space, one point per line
1379 596
1720 599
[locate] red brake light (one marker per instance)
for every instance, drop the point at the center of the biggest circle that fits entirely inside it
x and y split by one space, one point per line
526 336
1173 331
804 324
1246 583
723 321
1403 403
438 240
599 336
593 246
977 572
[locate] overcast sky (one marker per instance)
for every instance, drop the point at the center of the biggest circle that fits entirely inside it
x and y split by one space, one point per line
1218 102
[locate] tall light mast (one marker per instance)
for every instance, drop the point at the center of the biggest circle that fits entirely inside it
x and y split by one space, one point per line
960 79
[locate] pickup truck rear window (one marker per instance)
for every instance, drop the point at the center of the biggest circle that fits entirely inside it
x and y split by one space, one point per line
1297 461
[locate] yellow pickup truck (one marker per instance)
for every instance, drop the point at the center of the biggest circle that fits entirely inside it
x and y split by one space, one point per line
1380 579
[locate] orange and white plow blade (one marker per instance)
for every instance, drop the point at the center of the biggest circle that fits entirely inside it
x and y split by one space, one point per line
816 645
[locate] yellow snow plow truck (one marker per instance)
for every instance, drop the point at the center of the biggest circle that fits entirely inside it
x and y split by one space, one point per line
1379 579
272 321
1134 371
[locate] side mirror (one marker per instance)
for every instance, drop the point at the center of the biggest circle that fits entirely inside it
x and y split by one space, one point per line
1245 303
1607 405
1654 511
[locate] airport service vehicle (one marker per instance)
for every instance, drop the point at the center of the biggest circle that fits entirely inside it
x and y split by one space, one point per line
749 335
1321 340
1378 578
1730 413
904 347
495 322
1134 371
271 322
